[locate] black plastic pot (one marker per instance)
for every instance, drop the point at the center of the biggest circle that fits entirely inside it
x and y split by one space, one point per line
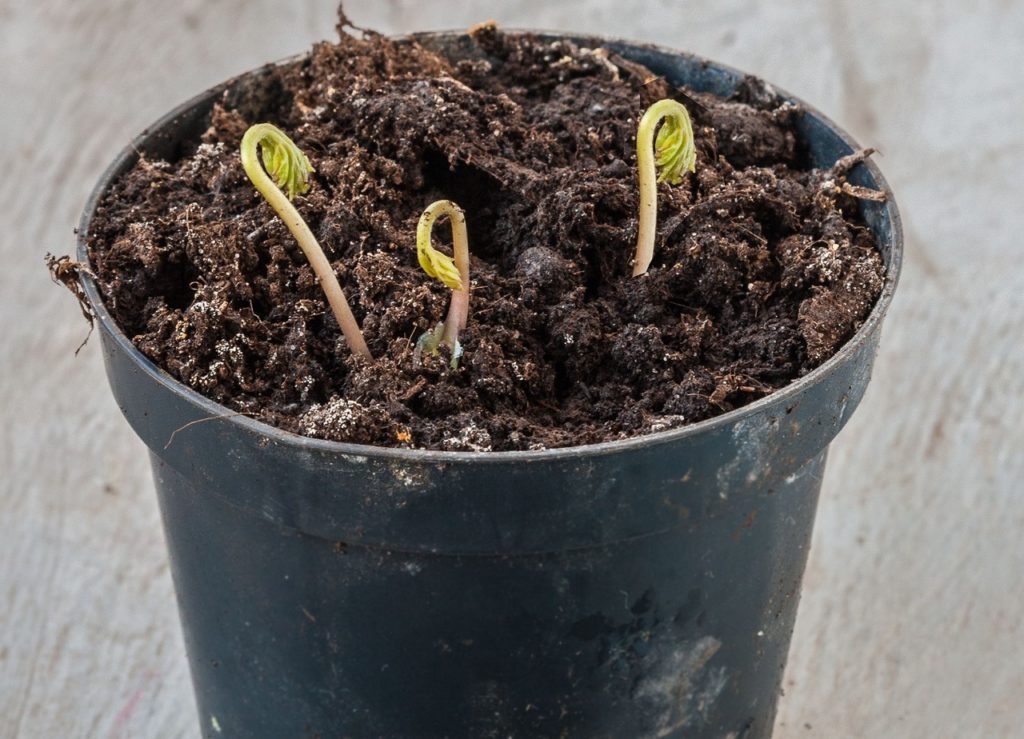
642 588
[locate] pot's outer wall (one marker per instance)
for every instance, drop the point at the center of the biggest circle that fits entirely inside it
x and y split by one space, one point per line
644 588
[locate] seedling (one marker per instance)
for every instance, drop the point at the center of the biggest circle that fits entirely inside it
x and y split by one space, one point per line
290 169
676 153
454 273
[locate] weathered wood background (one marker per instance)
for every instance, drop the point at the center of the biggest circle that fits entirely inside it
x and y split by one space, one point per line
911 622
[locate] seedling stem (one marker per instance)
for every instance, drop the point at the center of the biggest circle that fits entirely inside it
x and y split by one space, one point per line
676 153
290 169
454 273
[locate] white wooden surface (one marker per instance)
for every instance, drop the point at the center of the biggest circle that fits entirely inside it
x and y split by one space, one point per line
911 622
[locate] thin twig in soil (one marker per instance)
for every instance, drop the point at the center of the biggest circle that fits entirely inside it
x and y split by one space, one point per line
550 406
174 433
408 347
258 231
863 193
414 390
848 162
759 239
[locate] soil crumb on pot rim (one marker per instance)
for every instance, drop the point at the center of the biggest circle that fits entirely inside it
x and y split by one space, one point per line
762 269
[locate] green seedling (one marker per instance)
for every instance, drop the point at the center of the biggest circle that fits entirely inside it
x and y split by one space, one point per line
671 153
453 273
290 169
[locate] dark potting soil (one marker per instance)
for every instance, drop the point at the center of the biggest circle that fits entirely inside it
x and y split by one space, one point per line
762 268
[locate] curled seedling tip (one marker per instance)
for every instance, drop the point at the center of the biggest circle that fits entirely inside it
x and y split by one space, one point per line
288 168
664 158
283 159
675 151
452 272
437 264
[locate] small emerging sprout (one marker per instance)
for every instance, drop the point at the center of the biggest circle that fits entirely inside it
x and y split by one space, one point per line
290 169
676 153
454 273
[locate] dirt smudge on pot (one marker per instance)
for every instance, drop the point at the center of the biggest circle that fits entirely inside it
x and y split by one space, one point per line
680 688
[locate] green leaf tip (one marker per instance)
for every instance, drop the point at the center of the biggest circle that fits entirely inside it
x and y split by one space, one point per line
430 343
435 263
284 161
675 151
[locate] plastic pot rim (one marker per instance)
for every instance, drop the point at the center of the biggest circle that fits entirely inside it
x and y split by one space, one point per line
781 397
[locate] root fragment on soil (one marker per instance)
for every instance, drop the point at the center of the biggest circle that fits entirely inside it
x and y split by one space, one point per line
68 272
